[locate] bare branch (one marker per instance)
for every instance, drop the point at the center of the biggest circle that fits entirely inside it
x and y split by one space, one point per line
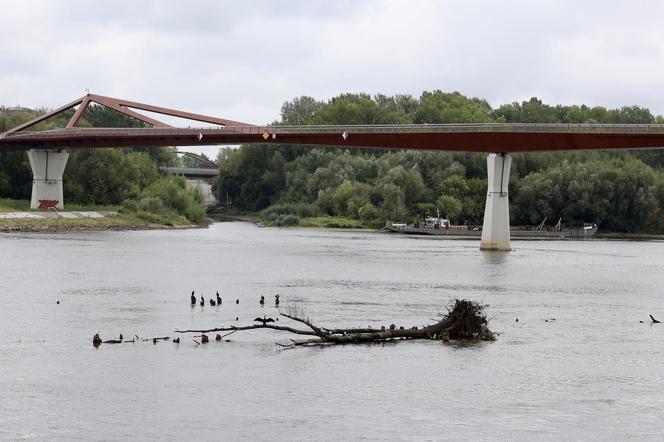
250 327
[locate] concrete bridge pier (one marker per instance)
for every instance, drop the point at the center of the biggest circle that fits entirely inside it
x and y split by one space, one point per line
496 227
48 165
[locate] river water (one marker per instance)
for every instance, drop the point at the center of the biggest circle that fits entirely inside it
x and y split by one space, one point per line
593 373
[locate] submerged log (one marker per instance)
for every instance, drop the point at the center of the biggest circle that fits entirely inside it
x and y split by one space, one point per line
464 320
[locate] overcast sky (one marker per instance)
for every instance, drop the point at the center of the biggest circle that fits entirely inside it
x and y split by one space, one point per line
242 59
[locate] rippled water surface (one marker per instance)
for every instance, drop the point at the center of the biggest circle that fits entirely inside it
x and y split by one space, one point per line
594 373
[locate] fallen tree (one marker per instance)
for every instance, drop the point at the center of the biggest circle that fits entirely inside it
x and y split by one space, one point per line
464 320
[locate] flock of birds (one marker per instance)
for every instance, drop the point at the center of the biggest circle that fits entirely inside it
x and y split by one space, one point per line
217 302
214 302
96 340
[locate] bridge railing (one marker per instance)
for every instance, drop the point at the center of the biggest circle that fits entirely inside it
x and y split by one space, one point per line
326 129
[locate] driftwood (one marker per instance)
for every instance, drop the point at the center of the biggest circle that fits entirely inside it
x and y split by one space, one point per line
464 320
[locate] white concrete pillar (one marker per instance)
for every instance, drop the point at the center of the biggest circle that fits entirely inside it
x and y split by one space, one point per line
496 228
205 189
48 165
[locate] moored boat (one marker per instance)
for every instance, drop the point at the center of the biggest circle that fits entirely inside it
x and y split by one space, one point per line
442 227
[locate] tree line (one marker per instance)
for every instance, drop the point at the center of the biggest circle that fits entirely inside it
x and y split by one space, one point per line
620 190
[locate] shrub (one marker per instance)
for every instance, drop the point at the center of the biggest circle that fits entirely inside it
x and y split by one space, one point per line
287 220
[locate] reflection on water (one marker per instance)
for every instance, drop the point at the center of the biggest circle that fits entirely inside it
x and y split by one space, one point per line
593 373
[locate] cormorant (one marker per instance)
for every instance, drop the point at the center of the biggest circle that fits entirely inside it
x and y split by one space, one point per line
193 298
276 300
218 337
218 299
176 340
202 301
204 339
58 302
212 303
264 320
237 301
262 301
96 340
121 338
654 321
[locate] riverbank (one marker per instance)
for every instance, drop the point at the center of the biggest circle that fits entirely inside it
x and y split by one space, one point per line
16 216
116 222
335 222
321 222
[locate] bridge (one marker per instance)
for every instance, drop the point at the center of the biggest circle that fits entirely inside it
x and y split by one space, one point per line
200 178
47 150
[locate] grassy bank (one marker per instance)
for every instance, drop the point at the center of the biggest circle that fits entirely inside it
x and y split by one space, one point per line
629 236
9 205
335 222
124 220
121 221
289 220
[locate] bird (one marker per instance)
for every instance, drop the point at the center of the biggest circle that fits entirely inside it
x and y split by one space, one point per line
193 298
262 301
202 301
212 303
218 337
276 300
237 301
205 339
264 320
176 340
121 338
517 320
237 319
393 327
96 340
654 321
58 302
218 299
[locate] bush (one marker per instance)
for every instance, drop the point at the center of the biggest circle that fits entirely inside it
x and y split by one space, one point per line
151 204
169 196
302 210
287 220
368 212
130 205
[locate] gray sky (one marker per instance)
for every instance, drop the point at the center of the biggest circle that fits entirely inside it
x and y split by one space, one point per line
242 59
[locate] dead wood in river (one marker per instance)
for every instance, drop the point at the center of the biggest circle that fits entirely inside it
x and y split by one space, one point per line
464 320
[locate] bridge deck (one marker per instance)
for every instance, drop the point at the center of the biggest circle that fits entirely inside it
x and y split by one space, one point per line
451 137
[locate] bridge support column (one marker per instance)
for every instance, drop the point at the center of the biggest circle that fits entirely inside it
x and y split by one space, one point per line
496 227
48 165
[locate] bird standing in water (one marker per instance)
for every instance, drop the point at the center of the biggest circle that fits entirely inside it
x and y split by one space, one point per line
262 301
202 301
193 298
212 303
276 300
218 299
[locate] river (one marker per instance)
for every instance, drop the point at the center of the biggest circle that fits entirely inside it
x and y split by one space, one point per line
593 373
